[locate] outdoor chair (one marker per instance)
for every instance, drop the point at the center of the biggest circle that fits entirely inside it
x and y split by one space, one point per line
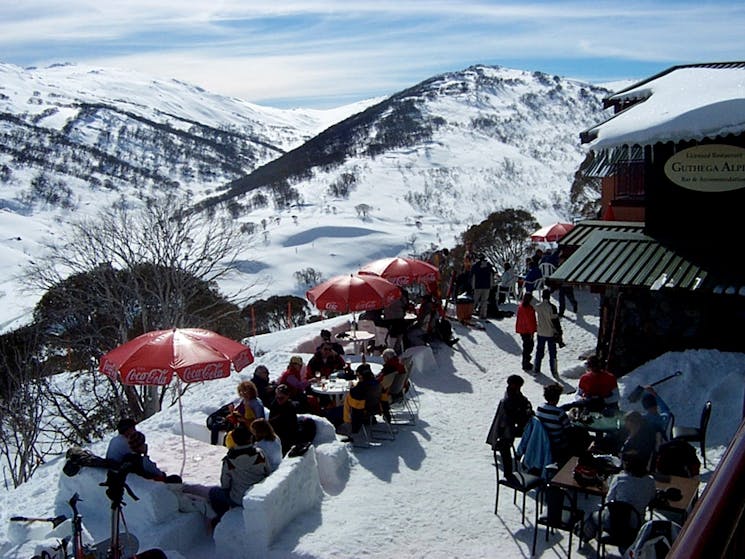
403 406
670 426
696 434
619 525
561 513
521 481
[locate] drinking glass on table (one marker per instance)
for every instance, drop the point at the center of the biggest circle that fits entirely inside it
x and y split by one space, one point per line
318 376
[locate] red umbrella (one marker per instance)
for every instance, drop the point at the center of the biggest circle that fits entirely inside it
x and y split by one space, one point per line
551 233
353 293
402 271
193 354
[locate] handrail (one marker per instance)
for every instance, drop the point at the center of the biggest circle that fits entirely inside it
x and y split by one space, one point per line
716 527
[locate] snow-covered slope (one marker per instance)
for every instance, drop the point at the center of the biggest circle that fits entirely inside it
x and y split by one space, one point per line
387 176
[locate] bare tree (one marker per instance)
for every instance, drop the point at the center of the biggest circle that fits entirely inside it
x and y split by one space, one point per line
142 269
22 412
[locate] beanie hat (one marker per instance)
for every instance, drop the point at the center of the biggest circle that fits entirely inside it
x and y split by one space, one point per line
136 441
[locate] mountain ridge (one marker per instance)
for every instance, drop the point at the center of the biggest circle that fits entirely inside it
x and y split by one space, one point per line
414 169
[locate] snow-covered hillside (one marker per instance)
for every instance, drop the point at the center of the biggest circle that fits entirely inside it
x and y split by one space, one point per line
424 164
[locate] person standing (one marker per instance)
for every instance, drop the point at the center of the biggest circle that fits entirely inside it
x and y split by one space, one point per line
525 325
481 275
513 413
549 333
566 293
533 278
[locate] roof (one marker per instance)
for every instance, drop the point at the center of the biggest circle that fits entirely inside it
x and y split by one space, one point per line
683 103
632 259
584 229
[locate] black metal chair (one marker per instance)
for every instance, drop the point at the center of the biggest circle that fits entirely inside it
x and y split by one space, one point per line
561 513
619 525
696 434
520 481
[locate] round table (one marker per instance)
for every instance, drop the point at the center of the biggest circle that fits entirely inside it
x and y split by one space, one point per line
334 388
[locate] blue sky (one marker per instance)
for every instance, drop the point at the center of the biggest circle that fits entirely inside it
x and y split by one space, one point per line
325 53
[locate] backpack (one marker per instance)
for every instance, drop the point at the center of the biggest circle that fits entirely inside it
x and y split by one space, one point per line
677 458
444 329
306 430
218 420
78 457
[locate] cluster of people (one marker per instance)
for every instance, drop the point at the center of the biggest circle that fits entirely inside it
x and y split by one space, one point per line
539 319
642 433
541 266
637 443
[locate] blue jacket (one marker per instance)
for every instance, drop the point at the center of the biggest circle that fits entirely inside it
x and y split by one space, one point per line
535 447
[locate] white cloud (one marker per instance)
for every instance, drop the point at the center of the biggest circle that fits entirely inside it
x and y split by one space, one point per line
302 49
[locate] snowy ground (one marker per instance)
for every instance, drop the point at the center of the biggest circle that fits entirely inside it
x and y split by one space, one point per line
429 493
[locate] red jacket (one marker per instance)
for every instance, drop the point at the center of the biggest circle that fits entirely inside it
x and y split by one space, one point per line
526 321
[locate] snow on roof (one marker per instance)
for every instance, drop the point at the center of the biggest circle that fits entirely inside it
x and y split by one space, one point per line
687 103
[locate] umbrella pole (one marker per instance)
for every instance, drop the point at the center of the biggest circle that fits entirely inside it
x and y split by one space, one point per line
181 420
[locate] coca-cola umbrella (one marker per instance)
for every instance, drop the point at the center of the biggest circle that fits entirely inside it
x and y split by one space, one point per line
352 293
193 354
551 233
402 271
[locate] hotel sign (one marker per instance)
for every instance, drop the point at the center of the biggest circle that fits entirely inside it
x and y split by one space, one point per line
708 168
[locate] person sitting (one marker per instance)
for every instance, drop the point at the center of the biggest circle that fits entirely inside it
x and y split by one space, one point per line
325 361
656 412
506 283
264 387
431 322
361 402
392 366
513 413
283 417
598 388
555 421
640 437
119 445
326 339
140 463
632 485
533 279
294 379
243 466
267 440
248 409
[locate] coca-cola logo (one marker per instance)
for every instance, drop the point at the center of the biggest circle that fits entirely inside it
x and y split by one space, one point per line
210 371
400 281
331 306
159 377
243 359
110 370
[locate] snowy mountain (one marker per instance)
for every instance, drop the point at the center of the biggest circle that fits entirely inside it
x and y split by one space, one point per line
407 173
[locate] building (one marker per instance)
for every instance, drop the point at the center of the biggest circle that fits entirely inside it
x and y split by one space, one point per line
672 163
